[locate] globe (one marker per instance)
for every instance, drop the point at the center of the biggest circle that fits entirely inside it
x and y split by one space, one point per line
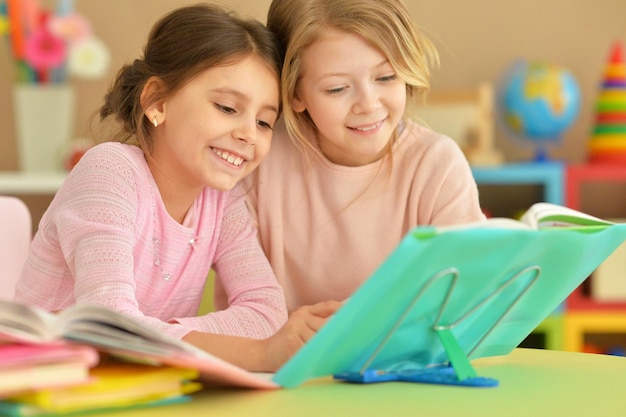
538 102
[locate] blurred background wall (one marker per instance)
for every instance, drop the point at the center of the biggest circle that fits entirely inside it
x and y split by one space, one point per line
477 40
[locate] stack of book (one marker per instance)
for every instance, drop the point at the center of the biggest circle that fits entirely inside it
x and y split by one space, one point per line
26 367
71 385
88 359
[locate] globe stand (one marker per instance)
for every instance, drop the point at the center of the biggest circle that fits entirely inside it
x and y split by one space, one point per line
541 154
541 148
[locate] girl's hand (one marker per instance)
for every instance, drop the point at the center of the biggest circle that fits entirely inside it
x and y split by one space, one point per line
267 355
302 324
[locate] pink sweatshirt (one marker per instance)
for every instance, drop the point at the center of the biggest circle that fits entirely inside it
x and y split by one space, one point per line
326 227
107 239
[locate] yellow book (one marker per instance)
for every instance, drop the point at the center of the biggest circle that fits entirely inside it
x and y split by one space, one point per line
116 384
13 409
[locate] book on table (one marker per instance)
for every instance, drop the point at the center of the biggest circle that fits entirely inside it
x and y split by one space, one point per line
119 334
32 367
113 385
443 297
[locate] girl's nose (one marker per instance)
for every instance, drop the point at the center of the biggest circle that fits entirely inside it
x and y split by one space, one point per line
367 100
246 131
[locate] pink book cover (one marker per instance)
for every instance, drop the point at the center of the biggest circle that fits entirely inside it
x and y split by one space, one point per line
17 355
31 367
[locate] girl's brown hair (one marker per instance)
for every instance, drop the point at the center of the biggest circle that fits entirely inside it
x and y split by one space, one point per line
182 44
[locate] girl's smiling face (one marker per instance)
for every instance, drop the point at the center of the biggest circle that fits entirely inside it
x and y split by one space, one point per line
217 128
352 94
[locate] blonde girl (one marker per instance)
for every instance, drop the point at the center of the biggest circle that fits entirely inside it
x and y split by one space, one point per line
350 171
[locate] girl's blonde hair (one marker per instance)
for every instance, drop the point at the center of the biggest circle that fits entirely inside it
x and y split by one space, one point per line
385 24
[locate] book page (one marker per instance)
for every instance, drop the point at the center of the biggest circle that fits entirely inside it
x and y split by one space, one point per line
490 223
125 337
109 329
538 216
548 215
21 323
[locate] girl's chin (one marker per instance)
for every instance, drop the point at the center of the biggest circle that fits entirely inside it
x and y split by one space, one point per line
222 184
358 154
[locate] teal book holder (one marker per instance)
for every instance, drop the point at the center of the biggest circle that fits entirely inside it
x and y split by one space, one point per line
442 299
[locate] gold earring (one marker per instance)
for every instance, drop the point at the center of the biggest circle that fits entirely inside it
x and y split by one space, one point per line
155 121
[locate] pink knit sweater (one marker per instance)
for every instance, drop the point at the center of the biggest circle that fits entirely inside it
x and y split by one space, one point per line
107 239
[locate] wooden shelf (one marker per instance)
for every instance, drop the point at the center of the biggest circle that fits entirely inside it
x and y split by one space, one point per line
579 314
577 324
575 177
578 301
547 174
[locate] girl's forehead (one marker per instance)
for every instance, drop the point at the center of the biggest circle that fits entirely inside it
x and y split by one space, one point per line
342 38
341 50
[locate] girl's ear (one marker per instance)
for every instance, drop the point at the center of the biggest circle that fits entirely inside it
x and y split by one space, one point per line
153 106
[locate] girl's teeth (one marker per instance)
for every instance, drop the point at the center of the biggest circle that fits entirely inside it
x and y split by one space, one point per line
230 158
367 129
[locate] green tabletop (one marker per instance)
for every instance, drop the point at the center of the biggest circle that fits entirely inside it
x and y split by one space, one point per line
533 383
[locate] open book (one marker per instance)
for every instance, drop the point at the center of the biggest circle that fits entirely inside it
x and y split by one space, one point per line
444 296
540 216
119 334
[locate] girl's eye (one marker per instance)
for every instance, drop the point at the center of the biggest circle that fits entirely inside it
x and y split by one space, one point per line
387 78
265 125
224 109
336 90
